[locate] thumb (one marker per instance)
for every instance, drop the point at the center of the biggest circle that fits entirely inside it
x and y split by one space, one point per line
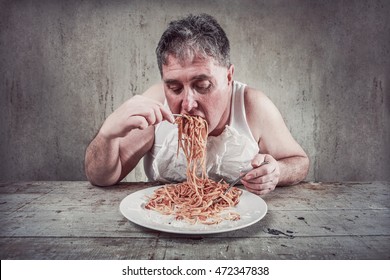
258 160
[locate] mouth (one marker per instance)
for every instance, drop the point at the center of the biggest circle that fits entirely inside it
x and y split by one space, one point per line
196 114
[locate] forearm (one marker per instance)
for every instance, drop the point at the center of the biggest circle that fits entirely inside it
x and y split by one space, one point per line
293 170
102 161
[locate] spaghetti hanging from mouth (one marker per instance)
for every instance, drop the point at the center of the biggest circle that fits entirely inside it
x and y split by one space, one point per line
193 200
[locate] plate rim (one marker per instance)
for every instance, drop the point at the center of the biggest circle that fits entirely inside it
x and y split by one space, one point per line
177 230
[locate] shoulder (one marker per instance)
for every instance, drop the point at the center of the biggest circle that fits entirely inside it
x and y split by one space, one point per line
261 112
256 100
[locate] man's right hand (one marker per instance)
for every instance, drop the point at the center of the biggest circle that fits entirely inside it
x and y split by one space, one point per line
138 112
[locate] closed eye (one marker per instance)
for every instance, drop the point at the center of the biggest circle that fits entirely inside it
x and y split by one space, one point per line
203 86
175 88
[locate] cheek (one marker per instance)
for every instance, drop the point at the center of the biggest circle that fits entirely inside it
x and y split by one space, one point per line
173 103
211 113
215 107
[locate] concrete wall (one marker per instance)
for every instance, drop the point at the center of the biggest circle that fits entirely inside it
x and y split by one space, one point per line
66 65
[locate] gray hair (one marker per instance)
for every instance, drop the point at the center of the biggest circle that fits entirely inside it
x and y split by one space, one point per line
194 36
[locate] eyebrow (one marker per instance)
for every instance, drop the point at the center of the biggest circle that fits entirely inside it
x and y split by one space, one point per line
171 81
195 78
201 77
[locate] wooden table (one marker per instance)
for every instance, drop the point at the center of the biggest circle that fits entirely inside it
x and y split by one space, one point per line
74 220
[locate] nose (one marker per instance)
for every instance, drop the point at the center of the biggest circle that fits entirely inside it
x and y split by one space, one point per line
189 101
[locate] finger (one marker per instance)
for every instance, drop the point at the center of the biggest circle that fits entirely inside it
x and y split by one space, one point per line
258 160
262 170
137 122
261 179
167 114
263 192
158 115
259 189
150 116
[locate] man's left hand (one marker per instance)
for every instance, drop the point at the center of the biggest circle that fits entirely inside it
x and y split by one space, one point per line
265 175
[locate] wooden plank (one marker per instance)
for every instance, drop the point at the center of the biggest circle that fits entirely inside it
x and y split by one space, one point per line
329 222
79 248
75 222
301 197
14 202
306 196
341 247
108 222
53 194
68 186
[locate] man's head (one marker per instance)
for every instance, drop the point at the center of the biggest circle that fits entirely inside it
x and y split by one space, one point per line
193 56
197 36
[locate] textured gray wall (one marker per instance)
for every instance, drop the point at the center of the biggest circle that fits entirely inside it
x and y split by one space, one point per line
66 65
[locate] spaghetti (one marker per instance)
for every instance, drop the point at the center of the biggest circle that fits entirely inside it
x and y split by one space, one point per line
194 200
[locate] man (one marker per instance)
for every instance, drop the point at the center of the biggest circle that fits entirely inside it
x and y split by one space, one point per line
245 128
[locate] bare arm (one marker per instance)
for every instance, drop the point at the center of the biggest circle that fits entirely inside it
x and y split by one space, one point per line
124 138
288 162
293 170
102 163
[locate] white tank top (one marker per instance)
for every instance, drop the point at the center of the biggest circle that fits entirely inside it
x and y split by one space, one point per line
227 154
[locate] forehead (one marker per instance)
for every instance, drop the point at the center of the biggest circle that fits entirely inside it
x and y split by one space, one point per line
177 69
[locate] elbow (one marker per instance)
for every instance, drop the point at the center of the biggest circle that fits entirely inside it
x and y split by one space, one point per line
98 179
293 170
100 182
305 167
303 171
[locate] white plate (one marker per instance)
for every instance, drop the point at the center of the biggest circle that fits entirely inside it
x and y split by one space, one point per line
251 208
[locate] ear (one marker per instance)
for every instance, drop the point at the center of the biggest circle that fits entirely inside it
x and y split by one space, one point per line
230 73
